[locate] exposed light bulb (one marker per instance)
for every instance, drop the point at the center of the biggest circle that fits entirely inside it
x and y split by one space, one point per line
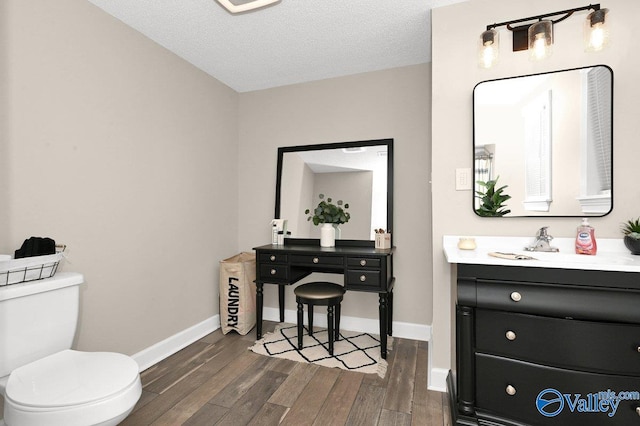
539 47
488 56
597 37
540 39
596 30
489 49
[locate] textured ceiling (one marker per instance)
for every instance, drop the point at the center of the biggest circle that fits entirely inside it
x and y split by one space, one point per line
293 41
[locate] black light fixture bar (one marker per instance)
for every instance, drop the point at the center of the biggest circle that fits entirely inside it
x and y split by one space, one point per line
520 38
567 12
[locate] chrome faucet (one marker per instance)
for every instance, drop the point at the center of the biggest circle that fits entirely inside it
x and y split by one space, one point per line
542 241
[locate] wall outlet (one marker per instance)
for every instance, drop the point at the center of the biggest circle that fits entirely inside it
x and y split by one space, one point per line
464 182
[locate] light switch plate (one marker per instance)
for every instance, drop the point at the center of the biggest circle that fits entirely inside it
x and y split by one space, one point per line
464 182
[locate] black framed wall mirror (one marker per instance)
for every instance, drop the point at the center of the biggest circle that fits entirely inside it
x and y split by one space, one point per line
549 139
359 173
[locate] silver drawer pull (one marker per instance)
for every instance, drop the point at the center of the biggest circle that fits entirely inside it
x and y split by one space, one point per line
363 262
638 411
363 278
273 272
515 296
272 258
638 349
315 260
510 335
511 390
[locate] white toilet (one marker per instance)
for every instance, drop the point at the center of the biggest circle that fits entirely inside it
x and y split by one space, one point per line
43 382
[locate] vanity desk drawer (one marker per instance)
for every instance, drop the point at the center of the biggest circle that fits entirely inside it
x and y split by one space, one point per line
274 258
560 342
363 278
270 273
363 262
315 261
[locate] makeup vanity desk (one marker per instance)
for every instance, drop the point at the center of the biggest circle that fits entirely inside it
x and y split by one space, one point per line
365 268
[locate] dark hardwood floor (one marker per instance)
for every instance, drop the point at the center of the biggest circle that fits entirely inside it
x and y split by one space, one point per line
218 381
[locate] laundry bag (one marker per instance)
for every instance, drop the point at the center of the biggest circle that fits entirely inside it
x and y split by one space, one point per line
238 293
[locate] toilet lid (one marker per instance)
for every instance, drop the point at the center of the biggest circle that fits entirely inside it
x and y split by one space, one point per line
70 378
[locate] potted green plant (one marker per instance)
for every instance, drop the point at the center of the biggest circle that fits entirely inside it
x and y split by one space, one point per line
330 216
631 231
327 212
491 199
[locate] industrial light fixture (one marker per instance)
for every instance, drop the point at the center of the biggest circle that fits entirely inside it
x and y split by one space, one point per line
596 30
238 6
538 37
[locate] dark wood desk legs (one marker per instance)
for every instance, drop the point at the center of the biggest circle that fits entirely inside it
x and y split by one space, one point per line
383 325
281 301
390 313
259 297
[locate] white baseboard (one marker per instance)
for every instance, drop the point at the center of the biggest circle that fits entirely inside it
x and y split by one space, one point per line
438 379
404 330
167 347
161 350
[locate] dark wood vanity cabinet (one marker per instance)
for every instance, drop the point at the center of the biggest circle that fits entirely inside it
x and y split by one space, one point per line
543 346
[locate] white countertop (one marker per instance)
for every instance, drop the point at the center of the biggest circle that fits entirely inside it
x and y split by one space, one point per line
612 255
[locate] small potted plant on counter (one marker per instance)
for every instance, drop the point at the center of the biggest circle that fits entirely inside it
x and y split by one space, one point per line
330 216
631 231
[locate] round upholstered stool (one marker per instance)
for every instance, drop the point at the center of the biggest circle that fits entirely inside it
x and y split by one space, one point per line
324 294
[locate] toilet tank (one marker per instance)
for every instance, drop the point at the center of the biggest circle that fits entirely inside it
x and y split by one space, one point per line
37 319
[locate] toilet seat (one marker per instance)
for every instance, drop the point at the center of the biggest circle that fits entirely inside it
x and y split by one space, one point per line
72 388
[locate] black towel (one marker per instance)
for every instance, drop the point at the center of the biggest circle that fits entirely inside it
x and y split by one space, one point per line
36 246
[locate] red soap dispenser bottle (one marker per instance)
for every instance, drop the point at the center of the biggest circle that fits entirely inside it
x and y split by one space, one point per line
586 239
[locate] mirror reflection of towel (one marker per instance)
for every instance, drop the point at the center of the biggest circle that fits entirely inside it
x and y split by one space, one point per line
36 246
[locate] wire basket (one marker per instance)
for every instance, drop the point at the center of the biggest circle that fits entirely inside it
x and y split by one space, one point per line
16 271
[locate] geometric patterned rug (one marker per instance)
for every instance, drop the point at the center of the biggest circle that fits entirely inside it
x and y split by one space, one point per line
354 351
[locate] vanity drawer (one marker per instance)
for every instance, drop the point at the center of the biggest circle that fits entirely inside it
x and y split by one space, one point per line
560 342
515 389
310 260
363 262
274 272
579 302
273 258
363 278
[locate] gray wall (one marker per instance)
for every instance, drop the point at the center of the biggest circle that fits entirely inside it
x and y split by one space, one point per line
384 104
127 154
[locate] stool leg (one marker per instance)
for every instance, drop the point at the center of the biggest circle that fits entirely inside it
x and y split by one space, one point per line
337 322
300 325
310 314
330 332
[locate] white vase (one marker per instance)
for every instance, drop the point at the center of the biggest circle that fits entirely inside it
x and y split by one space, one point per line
327 235
336 226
